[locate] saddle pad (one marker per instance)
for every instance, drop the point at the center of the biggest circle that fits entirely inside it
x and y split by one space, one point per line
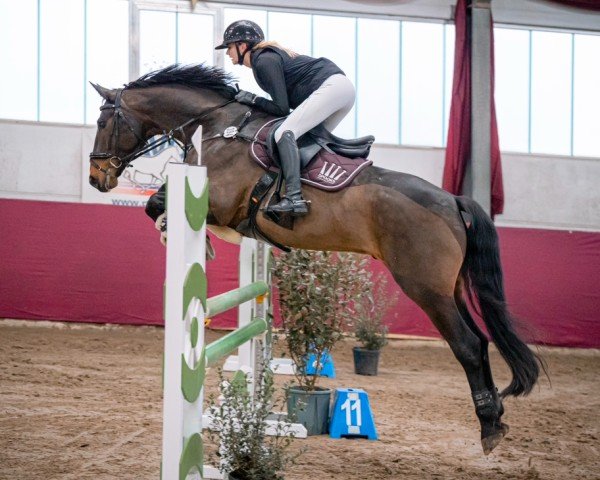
326 171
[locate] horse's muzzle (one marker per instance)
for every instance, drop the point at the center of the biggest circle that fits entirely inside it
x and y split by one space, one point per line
97 185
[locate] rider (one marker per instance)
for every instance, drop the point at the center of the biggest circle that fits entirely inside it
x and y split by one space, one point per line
315 88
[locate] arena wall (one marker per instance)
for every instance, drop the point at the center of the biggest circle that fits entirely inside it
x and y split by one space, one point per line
66 260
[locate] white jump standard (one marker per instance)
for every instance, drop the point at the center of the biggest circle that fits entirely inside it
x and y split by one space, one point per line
186 356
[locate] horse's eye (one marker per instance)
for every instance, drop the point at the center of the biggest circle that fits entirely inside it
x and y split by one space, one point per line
101 124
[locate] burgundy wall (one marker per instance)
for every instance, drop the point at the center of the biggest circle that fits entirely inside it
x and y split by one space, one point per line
104 264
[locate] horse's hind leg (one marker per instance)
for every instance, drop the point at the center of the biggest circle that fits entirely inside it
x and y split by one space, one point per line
492 429
471 351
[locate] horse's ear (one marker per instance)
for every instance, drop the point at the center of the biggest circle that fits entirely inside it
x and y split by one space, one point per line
105 93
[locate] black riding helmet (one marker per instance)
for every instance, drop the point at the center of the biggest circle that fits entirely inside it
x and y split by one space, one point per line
242 31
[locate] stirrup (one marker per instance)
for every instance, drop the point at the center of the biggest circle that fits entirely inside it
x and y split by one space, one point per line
297 208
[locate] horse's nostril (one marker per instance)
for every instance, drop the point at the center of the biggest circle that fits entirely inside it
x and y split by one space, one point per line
93 181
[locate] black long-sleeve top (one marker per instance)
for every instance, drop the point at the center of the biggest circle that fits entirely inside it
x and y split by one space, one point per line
289 80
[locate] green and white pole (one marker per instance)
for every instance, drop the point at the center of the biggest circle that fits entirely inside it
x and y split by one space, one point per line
185 307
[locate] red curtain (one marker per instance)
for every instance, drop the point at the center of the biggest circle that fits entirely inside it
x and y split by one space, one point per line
585 4
458 149
104 264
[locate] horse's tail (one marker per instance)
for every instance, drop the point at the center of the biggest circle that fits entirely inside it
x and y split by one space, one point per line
482 273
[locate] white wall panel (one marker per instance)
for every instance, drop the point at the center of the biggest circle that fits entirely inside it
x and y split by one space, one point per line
41 161
551 191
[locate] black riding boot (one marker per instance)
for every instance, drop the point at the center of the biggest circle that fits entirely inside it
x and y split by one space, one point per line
289 158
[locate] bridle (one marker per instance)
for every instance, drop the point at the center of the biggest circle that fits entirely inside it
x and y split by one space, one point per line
118 163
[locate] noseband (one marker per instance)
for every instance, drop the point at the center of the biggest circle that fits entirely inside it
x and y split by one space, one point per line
116 162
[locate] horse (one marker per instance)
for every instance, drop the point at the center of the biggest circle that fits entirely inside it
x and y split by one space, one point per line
441 249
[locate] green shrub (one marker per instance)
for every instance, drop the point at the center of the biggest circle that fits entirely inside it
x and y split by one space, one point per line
370 308
239 427
317 291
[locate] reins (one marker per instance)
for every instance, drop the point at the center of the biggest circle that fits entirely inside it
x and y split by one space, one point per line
148 146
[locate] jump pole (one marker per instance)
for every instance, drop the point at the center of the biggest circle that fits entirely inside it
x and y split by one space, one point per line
254 266
227 344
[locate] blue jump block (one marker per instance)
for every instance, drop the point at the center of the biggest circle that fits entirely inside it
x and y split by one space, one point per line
351 415
326 367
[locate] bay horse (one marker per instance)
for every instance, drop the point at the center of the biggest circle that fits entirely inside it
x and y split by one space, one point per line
417 230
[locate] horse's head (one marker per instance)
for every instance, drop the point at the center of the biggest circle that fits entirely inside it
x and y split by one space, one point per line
119 134
175 99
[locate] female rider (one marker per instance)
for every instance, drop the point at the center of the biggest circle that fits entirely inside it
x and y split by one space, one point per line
315 88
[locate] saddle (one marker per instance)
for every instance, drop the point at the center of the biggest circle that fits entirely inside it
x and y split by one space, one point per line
319 138
327 162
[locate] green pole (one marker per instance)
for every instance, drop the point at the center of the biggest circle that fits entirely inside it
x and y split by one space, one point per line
227 300
227 344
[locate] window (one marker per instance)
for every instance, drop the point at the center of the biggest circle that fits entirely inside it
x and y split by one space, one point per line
107 57
551 92
335 38
291 30
61 61
511 55
422 83
184 38
546 83
157 51
195 34
18 81
586 105
449 40
377 79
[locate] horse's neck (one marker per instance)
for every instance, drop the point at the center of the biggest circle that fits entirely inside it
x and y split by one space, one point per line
231 172
168 108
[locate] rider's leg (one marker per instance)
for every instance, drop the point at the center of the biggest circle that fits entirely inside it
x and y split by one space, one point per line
334 96
335 119
289 159
328 105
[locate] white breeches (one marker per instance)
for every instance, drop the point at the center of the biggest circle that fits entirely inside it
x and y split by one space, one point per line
329 104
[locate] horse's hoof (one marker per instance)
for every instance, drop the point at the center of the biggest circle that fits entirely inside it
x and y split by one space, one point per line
490 442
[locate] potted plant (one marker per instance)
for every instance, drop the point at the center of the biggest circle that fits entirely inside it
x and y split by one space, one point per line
369 328
238 425
316 292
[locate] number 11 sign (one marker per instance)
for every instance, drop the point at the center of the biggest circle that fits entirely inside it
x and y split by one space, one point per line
352 416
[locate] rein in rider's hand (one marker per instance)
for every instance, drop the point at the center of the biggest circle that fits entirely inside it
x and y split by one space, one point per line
246 98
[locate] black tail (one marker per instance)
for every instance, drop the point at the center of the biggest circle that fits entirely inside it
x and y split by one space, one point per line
482 273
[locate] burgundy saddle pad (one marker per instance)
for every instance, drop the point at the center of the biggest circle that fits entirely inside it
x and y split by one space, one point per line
326 171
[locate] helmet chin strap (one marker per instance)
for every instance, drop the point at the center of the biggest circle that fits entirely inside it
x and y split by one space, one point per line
240 55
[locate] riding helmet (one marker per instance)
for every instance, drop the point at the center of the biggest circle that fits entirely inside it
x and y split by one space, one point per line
242 31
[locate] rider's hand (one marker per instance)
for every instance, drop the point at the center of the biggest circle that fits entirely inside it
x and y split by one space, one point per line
161 226
247 98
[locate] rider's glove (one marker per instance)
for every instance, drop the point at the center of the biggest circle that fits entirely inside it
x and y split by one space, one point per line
161 226
247 98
